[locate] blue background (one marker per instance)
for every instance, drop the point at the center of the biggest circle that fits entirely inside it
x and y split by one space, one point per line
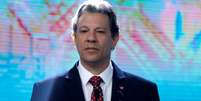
160 40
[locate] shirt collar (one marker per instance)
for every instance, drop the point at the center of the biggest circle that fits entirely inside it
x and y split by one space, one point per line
85 75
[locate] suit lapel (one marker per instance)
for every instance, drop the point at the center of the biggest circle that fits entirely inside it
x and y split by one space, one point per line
76 91
118 85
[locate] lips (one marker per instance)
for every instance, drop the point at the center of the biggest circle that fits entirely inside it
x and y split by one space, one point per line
91 49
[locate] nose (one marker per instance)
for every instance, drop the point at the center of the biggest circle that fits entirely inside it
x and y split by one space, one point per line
92 37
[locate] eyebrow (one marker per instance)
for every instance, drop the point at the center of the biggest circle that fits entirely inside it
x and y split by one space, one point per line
101 28
84 26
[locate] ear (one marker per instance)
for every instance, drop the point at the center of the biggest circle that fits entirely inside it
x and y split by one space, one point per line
114 41
73 37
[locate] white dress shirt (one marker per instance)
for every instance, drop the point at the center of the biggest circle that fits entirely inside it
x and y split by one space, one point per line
106 85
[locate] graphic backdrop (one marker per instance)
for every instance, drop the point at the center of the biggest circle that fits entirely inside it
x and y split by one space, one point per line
160 40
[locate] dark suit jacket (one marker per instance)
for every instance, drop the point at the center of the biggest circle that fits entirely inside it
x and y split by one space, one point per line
68 87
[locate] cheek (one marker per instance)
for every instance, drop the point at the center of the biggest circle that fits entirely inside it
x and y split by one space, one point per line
78 41
78 44
107 45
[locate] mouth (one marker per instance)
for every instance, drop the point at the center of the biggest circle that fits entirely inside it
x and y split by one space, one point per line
91 49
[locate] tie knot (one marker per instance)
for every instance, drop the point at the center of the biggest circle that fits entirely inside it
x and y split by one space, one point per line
95 81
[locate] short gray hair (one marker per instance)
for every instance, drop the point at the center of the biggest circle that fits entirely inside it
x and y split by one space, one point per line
97 6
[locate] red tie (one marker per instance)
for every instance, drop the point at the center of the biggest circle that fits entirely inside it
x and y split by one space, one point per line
97 94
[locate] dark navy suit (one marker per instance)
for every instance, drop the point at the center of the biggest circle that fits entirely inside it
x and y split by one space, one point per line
68 87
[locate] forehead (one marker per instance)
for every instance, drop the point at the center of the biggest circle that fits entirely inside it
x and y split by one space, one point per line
93 19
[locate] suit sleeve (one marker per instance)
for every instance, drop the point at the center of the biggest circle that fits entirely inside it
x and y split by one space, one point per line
154 95
35 93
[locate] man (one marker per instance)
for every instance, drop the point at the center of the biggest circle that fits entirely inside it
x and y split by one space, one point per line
95 77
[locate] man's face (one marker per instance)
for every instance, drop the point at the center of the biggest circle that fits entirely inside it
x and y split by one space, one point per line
93 38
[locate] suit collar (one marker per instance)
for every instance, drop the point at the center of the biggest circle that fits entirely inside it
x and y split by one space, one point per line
76 85
118 85
118 72
74 72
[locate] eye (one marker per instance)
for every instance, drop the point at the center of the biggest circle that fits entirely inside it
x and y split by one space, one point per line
83 30
101 31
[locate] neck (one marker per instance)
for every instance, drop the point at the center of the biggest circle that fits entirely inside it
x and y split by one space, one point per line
95 67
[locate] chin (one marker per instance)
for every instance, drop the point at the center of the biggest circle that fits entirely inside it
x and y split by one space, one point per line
90 59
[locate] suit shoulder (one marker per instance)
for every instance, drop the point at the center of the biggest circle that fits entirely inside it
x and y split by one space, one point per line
51 80
134 79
